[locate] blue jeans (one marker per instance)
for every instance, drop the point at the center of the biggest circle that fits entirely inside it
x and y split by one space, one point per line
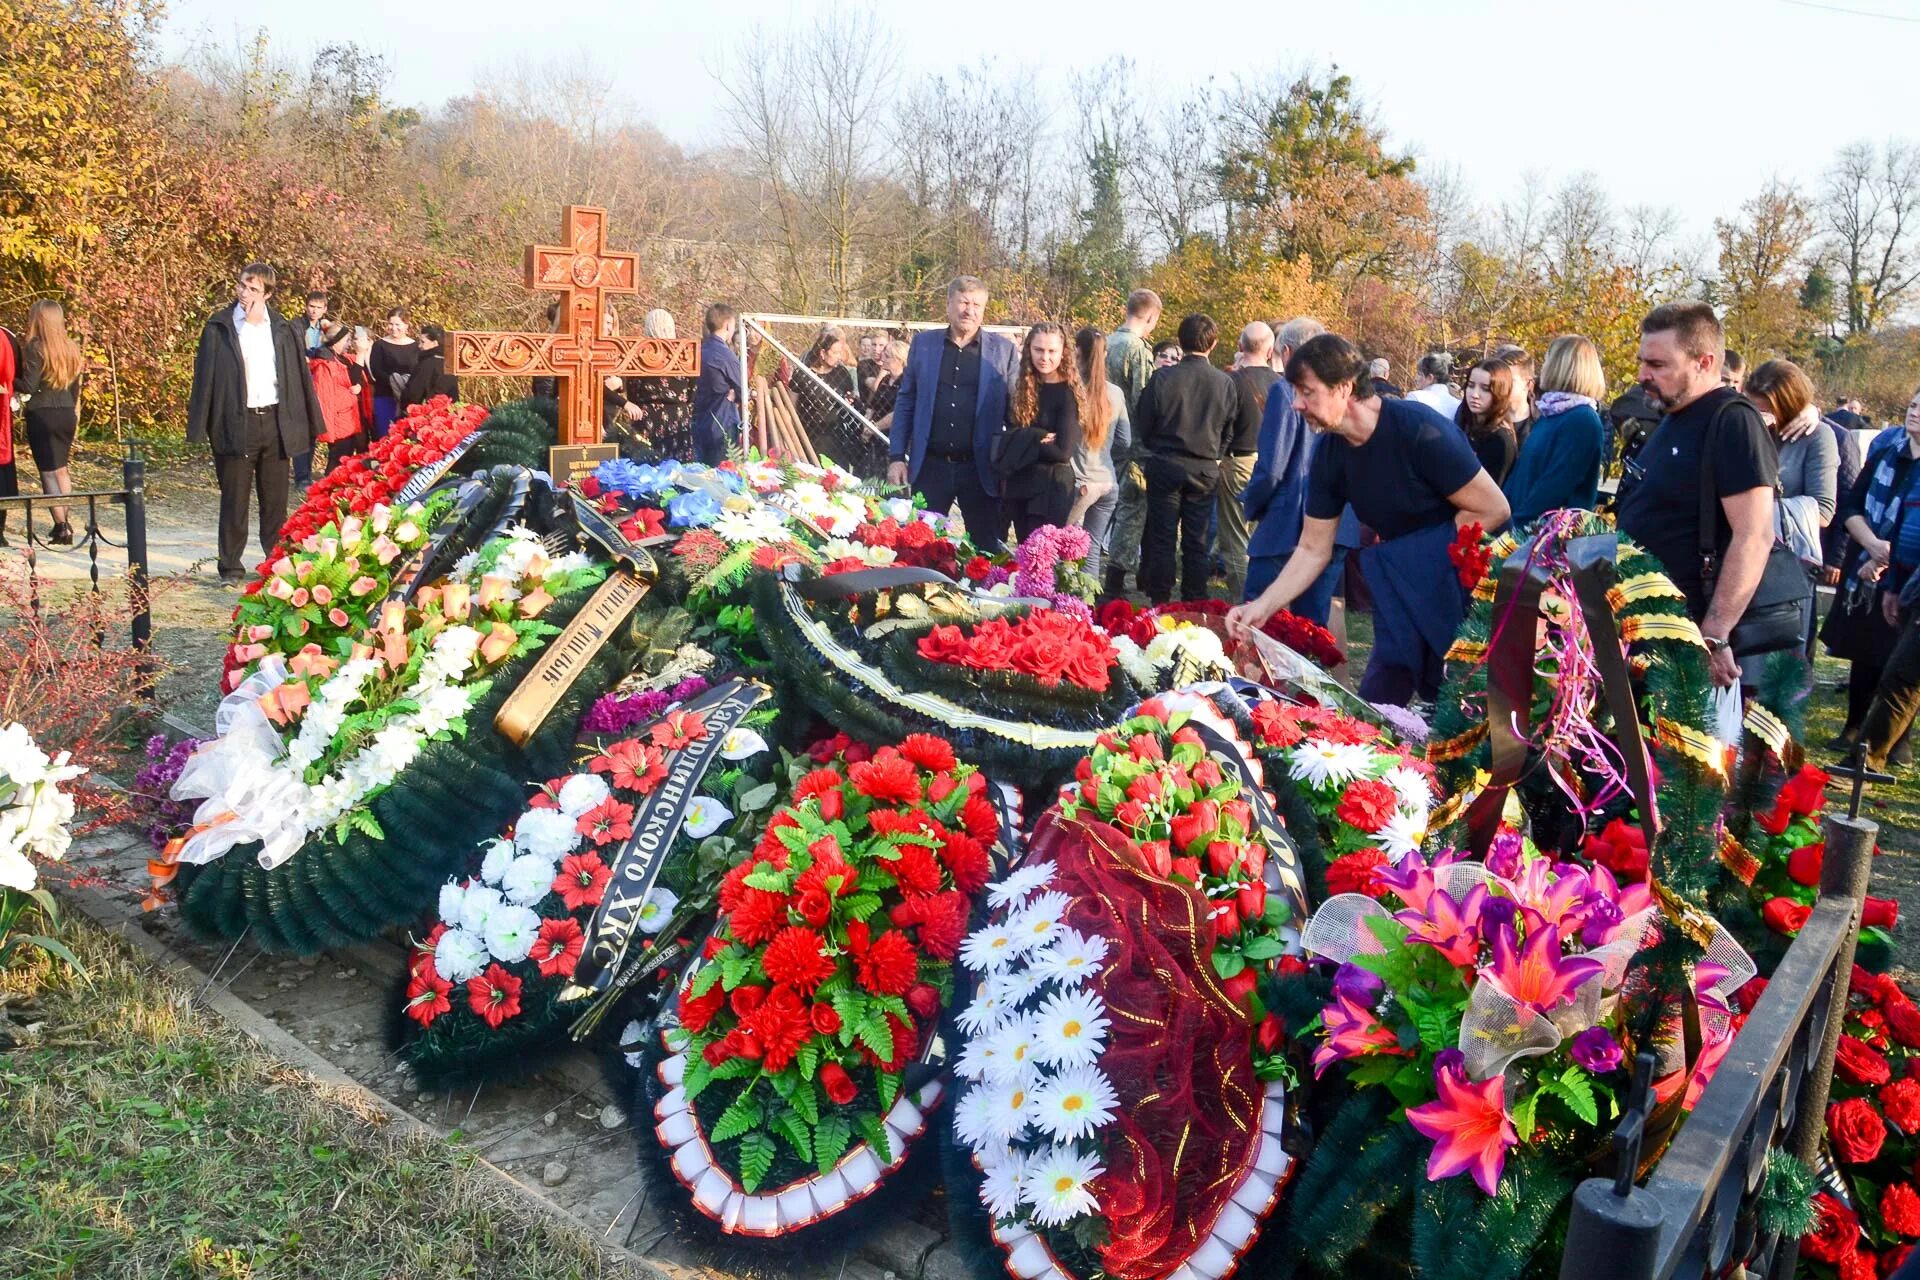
1315 603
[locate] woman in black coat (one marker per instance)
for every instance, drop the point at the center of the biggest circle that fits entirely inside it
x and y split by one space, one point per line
430 377
1044 421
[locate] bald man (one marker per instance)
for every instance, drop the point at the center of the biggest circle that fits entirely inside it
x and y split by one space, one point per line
1253 376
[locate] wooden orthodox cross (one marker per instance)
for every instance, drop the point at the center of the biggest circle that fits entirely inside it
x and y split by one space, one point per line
577 354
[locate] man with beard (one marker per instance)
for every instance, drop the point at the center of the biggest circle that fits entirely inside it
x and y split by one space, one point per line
1411 476
1680 367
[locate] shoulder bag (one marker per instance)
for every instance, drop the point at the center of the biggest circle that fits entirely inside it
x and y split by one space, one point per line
1775 617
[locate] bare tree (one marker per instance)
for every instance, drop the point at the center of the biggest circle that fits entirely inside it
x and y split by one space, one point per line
1871 207
1174 180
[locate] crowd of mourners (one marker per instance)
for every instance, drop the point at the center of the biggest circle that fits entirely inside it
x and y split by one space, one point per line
1295 474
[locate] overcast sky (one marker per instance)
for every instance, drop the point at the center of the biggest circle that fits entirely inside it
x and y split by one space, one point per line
1687 103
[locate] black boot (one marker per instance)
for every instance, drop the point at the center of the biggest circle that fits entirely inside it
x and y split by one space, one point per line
61 535
1116 586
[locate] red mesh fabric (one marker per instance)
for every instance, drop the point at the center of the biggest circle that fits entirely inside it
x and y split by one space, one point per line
1179 1053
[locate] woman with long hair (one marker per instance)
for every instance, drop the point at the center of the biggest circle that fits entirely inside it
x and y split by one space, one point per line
394 356
50 369
1559 463
1096 487
1486 416
660 410
1050 402
1521 413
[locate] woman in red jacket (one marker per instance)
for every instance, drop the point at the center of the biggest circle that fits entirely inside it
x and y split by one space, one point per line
339 405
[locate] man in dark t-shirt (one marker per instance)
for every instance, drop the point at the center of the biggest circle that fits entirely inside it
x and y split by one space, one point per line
1680 353
1411 476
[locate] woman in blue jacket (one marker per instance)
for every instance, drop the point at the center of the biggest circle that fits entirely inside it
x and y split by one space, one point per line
1559 464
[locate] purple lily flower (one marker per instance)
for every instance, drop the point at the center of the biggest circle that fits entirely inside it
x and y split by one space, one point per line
1359 985
1536 974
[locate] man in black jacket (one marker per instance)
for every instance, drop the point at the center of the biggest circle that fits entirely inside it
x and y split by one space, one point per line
1182 424
253 399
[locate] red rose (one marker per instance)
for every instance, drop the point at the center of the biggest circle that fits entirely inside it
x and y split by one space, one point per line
1803 864
1222 857
1903 1021
1856 1129
1367 805
1901 1101
825 1019
697 1012
1784 915
1252 899
1750 992
1880 913
1621 848
1187 868
814 906
745 999
1158 855
924 999
1267 1035
839 1085
1805 792
1858 1062
1239 986
1358 872
1835 1229
1226 918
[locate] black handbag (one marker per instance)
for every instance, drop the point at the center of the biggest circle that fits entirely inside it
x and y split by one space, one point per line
1775 617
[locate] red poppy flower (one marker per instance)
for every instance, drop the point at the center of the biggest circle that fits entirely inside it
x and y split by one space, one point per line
582 880
794 958
557 950
494 995
606 822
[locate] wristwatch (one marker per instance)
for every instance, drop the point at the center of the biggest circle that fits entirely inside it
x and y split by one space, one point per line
1714 645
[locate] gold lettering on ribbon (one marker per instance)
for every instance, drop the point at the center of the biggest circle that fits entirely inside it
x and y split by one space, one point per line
541 688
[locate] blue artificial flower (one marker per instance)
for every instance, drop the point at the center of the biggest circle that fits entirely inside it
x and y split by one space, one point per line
621 475
696 508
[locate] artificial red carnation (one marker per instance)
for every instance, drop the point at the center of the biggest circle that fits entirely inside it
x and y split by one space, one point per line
781 1024
1900 1100
697 1012
1900 1210
557 949
838 1084
794 958
967 861
816 782
1857 1062
887 966
1856 1130
758 916
1358 872
1835 1229
1278 725
931 754
889 779
1367 805
1859 1265
940 919
582 880
905 1041
916 871
494 995
980 818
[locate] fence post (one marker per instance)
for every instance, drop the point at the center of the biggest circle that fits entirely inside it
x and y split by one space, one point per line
134 473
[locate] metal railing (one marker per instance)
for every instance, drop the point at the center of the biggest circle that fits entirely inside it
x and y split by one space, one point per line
132 496
1695 1216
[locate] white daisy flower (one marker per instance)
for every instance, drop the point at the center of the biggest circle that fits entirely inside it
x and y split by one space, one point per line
582 792
511 932
1000 1191
1320 763
991 1155
1014 1048
1073 1104
704 817
1018 986
657 910
1072 958
1415 792
1035 924
477 906
989 947
1015 888
1403 834
1058 1184
460 954
549 833
528 879
1071 1028
981 1015
1007 1106
742 744
973 1117
976 1058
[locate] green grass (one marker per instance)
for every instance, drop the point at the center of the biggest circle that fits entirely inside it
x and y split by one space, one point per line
144 1137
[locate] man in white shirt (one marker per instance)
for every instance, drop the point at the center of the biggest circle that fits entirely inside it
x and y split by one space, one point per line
253 400
1430 385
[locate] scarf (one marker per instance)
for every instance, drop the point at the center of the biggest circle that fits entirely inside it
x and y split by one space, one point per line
1552 402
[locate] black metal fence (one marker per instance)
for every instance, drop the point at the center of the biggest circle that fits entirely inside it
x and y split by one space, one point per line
1694 1216
132 496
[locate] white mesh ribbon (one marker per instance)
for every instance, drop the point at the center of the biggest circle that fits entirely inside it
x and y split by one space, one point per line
1496 1030
243 797
1338 930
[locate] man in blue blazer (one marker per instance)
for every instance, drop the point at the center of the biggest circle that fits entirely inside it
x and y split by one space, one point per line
951 408
720 389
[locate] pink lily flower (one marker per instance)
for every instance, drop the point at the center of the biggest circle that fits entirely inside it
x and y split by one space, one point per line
1449 927
1352 1032
1469 1128
1413 881
1536 975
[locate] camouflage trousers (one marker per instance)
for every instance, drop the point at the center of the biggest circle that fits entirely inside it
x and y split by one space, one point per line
1129 518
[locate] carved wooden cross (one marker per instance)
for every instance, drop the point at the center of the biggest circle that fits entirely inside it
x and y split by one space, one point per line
578 355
